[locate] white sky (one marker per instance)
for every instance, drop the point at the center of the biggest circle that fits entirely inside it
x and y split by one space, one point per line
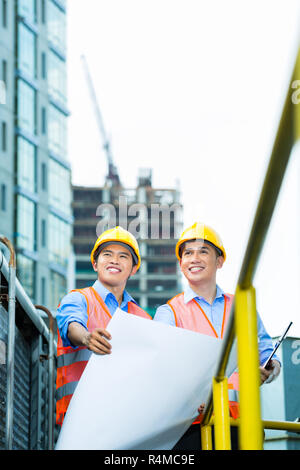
194 89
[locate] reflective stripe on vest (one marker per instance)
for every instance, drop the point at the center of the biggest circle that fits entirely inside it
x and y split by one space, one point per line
67 389
192 317
233 395
71 358
71 362
233 387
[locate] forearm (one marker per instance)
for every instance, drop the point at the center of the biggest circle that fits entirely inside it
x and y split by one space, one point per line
78 335
95 340
73 308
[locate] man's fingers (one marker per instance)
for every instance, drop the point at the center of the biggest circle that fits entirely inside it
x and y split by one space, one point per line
201 408
103 333
264 374
98 343
101 345
101 349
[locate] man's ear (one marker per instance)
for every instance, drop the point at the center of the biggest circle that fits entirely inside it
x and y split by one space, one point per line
95 265
180 262
134 270
220 262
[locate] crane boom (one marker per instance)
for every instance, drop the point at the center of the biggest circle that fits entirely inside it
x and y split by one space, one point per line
112 176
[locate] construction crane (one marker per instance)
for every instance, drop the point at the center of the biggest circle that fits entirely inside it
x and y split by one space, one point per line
112 178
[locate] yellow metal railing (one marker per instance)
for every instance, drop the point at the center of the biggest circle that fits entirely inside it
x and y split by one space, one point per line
243 321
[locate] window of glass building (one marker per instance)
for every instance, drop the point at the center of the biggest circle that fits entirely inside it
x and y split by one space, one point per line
43 120
57 78
56 26
3 136
3 198
59 187
26 274
43 11
59 240
4 13
4 72
3 92
57 132
43 233
26 51
44 65
26 223
58 288
27 9
44 177
26 170
26 107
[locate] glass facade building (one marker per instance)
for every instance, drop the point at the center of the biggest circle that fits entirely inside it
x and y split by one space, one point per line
35 175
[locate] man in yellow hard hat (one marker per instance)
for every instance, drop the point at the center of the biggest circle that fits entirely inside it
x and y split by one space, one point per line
204 307
83 314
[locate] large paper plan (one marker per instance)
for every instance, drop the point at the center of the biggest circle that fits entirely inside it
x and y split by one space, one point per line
146 393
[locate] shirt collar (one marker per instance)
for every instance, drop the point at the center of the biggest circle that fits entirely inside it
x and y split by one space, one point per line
189 294
104 292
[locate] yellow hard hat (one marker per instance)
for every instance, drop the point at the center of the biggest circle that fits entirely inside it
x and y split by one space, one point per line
120 236
200 231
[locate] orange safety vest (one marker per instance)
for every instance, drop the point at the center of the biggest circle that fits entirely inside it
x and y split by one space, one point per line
192 317
71 362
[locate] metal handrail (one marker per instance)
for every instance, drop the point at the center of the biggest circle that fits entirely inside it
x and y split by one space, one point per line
17 293
291 426
25 301
286 137
51 376
10 344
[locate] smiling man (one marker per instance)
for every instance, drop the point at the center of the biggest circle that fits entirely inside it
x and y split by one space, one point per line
83 314
204 307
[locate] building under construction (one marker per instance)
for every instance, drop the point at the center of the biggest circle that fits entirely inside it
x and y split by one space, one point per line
158 224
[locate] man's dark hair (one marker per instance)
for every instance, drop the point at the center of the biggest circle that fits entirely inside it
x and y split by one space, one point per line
100 248
218 251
